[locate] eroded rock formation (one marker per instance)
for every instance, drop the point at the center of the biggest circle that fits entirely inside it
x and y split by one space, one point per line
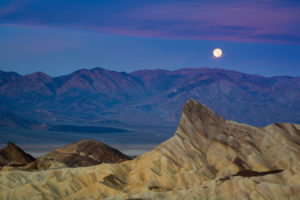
86 153
12 155
207 158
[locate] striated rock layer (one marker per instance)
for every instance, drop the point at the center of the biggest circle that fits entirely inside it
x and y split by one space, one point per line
86 153
207 158
83 153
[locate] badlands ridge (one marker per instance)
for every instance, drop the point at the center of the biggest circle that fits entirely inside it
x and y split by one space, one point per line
207 158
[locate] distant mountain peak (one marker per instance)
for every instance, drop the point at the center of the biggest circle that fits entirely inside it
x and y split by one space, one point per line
39 75
201 112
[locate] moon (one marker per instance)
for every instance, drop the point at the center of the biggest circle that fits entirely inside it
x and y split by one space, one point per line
217 53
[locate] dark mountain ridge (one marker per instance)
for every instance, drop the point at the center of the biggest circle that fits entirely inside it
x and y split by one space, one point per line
156 95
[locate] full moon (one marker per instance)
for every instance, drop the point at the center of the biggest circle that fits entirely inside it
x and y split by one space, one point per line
217 53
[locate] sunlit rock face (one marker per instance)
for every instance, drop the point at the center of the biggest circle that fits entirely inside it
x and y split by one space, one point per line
209 157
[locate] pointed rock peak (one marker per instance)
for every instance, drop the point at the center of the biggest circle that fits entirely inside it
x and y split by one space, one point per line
198 118
14 154
193 109
11 145
13 148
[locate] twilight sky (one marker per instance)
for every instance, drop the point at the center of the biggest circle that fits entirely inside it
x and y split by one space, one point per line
60 36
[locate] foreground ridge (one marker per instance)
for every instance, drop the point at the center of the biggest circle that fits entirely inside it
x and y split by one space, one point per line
208 157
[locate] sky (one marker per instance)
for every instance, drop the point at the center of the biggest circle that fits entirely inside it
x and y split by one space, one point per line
59 37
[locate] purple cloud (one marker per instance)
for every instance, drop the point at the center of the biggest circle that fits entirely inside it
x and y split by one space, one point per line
272 21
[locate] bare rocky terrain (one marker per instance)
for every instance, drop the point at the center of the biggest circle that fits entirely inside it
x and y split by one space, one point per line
12 155
208 157
86 153
83 153
103 97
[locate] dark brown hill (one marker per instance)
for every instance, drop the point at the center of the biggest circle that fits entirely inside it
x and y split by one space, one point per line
86 153
13 155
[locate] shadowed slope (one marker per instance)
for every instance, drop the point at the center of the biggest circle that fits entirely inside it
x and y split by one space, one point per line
83 153
86 153
14 156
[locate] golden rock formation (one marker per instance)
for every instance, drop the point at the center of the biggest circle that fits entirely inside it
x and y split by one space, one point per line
207 158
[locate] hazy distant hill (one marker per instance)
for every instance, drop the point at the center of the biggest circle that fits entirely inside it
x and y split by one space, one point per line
13 121
92 96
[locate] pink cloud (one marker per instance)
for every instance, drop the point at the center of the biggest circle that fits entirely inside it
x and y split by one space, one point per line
233 20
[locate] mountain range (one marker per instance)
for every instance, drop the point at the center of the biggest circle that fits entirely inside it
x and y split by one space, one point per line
100 96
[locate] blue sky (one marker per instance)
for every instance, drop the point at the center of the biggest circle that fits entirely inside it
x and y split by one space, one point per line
58 37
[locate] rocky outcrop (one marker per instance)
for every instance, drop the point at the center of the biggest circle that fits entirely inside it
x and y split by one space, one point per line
14 156
209 157
86 153
83 153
